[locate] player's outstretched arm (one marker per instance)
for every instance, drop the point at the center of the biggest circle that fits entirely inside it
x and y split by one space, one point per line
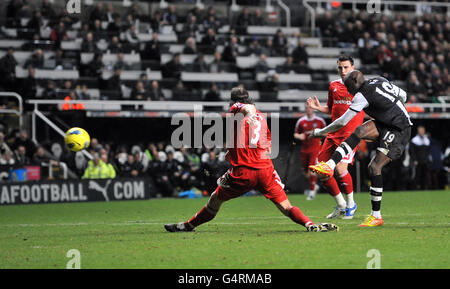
337 124
314 103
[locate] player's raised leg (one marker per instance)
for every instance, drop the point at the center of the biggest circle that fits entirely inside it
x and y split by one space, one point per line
367 131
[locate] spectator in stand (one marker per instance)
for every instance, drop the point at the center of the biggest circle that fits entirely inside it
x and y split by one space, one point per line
21 156
158 171
36 59
152 50
289 67
7 158
98 169
110 14
231 51
213 94
280 43
199 64
268 49
131 35
420 155
155 92
211 22
3 145
47 10
191 26
415 87
115 46
179 93
173 68
244 19
300 55
98 13
190 46
209 42
254 47
139 92
217 65
109 167
262 66
115 27
89 45
170 17
41 158
114 83
156 22
121 63
28 87
36 22
8 70
368 54
258 18
59 33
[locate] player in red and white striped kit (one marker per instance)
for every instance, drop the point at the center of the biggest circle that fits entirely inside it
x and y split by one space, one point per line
339 100
251 169
310 147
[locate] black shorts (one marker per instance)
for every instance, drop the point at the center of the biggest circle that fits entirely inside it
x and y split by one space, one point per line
392 141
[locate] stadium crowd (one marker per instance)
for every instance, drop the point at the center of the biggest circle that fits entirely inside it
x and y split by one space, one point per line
413 49
171 171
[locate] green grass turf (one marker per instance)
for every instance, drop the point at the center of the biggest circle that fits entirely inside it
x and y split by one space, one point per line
249 232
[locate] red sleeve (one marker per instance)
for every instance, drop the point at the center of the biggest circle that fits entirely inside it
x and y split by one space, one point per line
235 108
322 123
298 127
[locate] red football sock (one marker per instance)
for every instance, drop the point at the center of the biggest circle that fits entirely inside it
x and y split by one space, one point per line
312 181
346 182
297 216
203 216
332 186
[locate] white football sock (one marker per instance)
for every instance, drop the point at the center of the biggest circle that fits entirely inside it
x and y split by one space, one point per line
350 201
376 214
340 201
332 164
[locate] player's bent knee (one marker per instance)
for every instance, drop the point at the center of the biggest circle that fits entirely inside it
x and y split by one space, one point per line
374 169
341 168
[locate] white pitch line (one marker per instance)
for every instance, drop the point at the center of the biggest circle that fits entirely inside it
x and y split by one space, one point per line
214 223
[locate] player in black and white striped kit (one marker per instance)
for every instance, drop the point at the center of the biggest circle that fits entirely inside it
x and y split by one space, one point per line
390 128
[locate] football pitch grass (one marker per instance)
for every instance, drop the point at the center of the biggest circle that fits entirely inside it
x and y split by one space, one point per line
248 233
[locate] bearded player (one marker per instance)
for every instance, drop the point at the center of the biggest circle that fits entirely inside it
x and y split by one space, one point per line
251 169
339 99
310 146
390 128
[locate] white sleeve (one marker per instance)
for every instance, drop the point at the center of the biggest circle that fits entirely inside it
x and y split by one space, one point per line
337 124
359 102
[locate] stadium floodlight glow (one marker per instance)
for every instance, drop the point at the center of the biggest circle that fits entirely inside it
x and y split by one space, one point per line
269 7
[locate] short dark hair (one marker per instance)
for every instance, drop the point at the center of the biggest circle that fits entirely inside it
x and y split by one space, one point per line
345 57
240 94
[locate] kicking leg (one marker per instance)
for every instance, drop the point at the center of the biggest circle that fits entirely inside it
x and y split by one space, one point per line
367 131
